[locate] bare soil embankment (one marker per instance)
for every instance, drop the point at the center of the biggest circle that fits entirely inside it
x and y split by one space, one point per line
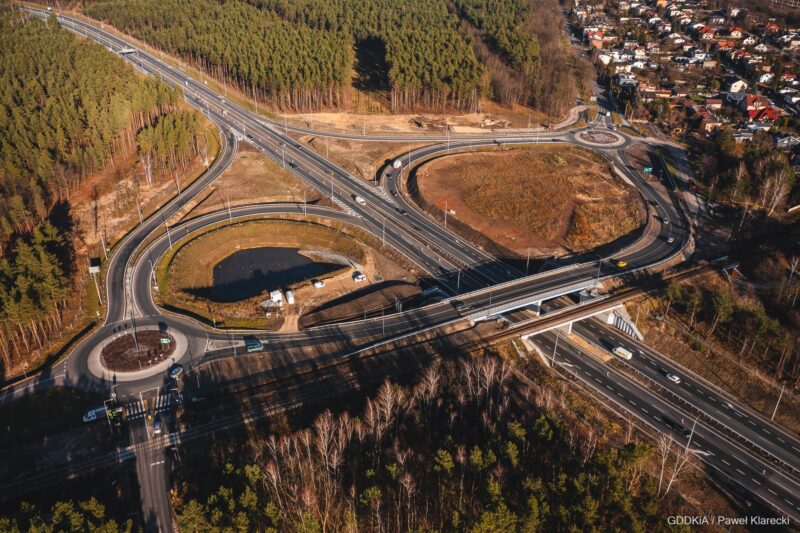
553 200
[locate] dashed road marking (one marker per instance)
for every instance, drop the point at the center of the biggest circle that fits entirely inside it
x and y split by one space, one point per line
772 491
726 462
742 473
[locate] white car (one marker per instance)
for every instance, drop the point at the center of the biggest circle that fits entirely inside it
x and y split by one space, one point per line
176 371
671 240
318 283
93 414
358 277
359 200
673 378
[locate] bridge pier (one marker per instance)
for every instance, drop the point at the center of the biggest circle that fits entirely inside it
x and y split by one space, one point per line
536 308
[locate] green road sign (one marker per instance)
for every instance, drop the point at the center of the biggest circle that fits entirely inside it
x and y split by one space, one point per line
648 169
165 341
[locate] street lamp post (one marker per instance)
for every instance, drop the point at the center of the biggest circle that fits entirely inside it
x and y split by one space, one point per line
555 347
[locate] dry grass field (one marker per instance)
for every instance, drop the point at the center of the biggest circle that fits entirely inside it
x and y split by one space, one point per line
190 268
253 178
362 159
184 274
551 199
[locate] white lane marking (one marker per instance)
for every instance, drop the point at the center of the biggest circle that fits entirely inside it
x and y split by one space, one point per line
755 481
632 402
742 473
157 463
597 380
726 462
645 410
795 449
780 439
772 491
751 422
768 432
609 387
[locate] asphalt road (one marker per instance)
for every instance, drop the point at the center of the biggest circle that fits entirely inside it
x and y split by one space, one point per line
722 459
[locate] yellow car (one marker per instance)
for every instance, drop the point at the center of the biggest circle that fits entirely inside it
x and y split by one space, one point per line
622 264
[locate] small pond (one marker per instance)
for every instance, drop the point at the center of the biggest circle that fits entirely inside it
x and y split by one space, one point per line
251 272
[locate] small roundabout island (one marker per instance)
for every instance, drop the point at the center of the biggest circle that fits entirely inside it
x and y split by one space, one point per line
281 274
137 351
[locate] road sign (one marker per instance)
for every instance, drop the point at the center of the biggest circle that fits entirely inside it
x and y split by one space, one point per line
165 341
648 169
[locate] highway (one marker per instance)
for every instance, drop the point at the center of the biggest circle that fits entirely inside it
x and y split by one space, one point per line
722 458
699 395
476 283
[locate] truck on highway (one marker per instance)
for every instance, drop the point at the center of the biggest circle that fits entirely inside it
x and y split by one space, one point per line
619 351
397 163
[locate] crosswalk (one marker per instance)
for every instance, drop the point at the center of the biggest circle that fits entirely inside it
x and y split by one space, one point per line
136 409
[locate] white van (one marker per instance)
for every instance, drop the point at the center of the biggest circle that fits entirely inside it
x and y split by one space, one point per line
619 351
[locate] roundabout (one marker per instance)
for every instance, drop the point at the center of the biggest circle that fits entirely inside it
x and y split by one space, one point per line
601 138
155 364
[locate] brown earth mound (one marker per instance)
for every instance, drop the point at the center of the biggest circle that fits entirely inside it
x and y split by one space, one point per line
126 354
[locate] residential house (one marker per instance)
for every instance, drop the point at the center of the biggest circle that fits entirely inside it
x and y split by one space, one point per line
737 86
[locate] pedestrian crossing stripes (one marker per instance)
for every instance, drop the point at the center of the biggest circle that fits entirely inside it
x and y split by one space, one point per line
136 409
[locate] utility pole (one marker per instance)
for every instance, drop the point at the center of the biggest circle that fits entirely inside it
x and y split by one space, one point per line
689 441
555 347
230 216
283 155
103 242
445 214
383 233
528 260
305 205
133 325
778 403
169 237
458 281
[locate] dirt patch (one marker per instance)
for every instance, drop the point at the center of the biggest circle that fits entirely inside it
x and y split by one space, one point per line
492 117
190 273
105 204
253 178
361 159
551 200
128 353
